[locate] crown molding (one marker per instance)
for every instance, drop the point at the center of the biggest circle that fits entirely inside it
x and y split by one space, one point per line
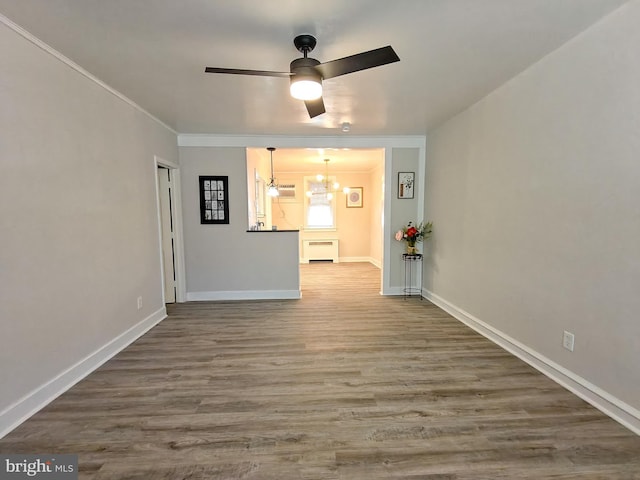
293 141
53 52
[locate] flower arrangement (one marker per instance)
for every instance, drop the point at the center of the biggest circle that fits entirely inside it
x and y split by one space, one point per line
413 234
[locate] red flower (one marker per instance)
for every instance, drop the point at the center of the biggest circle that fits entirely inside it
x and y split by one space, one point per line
414 233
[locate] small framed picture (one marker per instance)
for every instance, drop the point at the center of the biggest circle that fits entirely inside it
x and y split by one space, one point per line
354 197
405 184
214 200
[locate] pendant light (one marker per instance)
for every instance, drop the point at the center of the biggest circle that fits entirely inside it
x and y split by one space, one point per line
328 188
272 186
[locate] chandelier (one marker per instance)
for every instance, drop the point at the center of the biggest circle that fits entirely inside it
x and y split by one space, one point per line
328 188
272 186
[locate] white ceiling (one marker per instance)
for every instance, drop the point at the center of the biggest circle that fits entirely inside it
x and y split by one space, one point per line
453 52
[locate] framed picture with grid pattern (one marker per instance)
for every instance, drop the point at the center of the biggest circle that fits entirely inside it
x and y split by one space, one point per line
214 200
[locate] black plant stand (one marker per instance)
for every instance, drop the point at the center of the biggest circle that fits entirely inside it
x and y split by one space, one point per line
411 261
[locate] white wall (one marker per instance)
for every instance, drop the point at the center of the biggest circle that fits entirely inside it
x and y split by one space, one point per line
78 223
225 262
535 197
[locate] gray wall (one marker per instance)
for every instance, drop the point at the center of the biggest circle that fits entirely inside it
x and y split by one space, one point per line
535 197
403 211
226 261
267 267
78 218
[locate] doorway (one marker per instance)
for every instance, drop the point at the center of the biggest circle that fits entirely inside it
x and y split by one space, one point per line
354 229
170 231
167 234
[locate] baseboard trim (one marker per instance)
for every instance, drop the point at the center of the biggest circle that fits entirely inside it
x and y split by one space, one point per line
17 413
605 402
244 295
356 260
371 260
375 262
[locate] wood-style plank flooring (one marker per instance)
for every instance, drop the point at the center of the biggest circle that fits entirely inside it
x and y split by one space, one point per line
342 384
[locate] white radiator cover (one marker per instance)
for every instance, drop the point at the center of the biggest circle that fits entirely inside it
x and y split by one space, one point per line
320 249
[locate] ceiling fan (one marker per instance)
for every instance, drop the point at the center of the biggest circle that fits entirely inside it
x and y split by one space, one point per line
306 74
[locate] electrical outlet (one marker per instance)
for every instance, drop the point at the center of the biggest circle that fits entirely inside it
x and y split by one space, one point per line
139 303
568 340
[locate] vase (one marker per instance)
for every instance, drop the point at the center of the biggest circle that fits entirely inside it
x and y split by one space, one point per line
411 249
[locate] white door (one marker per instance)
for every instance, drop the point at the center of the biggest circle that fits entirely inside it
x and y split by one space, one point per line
166 224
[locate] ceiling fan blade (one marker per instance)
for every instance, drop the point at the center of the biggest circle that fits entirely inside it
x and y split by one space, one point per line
357 62
238 71
315 107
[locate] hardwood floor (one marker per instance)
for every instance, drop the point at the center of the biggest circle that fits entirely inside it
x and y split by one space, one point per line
342 384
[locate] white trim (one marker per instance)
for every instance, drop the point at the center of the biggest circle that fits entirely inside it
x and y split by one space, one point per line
375 262
370 260
244 295
18 412
360 260
51 51
290 141
178 236
350 141
600 399
156 164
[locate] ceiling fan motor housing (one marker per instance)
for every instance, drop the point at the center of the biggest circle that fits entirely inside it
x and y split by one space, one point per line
304 43
305 67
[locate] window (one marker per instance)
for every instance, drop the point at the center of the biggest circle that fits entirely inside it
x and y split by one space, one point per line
320 210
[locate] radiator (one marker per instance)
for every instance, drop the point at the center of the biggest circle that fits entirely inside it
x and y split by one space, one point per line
321 249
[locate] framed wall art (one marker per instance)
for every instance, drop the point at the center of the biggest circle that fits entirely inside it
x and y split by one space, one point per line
354 197
405 184
214 200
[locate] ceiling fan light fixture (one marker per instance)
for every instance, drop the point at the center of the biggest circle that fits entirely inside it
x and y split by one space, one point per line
306 88
306 74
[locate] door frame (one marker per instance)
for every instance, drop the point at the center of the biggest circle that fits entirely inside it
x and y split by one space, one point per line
389 143
178 238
